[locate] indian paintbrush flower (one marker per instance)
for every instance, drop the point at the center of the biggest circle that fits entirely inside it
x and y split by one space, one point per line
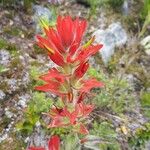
64 48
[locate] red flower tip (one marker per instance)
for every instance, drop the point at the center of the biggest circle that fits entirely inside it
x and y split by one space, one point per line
54 143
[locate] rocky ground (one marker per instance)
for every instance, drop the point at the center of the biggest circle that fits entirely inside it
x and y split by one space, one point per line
123 57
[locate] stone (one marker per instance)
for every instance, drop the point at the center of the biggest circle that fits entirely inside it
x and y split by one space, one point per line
8 113
55 1
119 33
125 7
113 36
2 95
23 99
13 84
4 57
146 44
41 13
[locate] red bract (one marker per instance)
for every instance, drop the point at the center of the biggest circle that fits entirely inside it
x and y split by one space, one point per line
63 117
81 70
89 84
53 144
54 82
85 53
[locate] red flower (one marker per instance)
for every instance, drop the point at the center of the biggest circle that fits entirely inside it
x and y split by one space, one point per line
53 144
63 43
63 117
66 37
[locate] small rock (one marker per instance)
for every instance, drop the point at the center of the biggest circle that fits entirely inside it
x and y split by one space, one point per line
113 36
41 13
12 84
146 44
23 100
119 33
2 95
8 113
125 7
2 138
4 57
25 79
55 1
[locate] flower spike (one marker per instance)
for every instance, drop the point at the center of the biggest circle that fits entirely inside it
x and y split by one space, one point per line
64 46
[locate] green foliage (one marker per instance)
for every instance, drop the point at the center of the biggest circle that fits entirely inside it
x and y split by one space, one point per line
146 8
32 115
115 96
145 15
115 3
140 138
107 135
145 103
93 6
3 43
34 76
62 132
3 69
71 142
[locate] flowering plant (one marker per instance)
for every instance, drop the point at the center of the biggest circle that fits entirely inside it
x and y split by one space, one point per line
63 45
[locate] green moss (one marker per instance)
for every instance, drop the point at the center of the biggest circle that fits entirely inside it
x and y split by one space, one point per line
14 31
4 86
3 43
3 69
145 99
145 103
9 46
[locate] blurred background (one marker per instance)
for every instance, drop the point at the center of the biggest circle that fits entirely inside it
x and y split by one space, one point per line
121 120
